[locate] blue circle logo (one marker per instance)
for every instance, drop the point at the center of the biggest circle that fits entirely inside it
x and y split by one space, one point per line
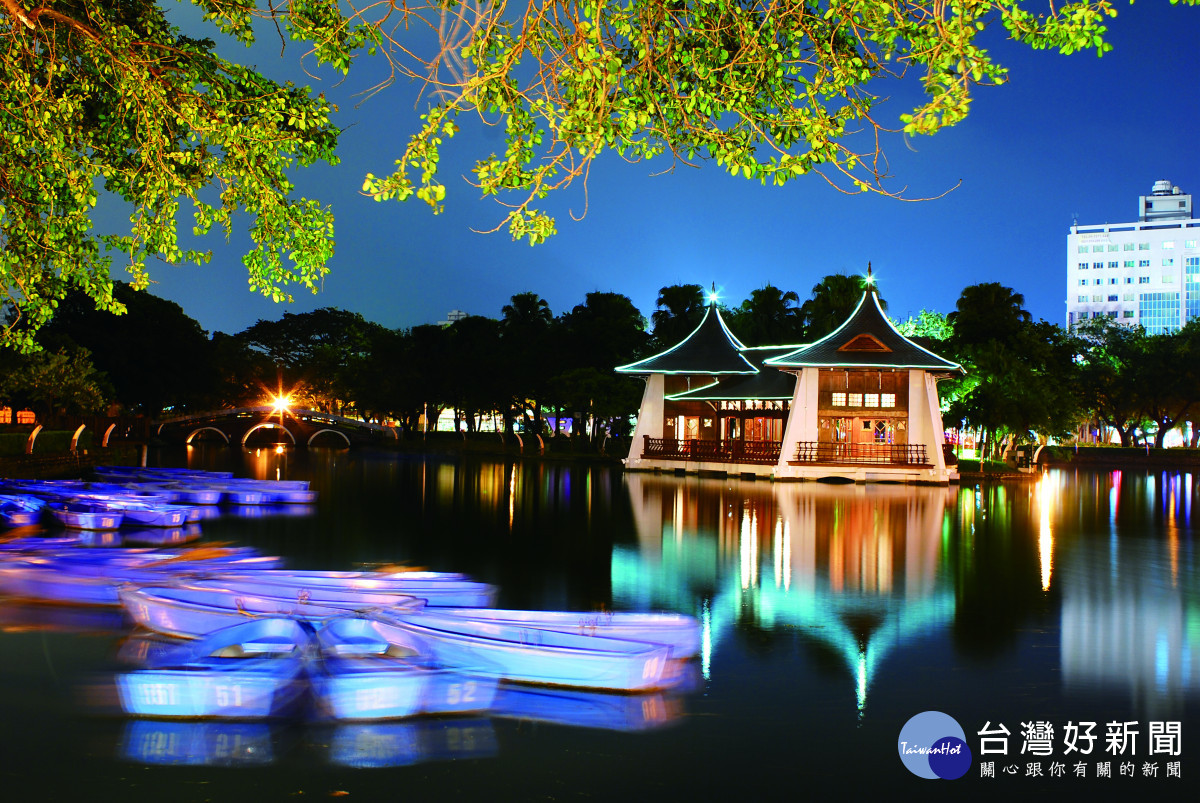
933 745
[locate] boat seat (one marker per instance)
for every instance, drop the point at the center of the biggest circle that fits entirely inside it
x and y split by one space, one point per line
360 648
400 651
254 648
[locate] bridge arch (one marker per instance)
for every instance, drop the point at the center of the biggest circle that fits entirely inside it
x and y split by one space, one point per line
327 429
32 438
198 430
108 434
75 437
268 425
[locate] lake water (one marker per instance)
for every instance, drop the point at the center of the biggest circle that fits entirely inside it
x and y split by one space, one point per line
832 615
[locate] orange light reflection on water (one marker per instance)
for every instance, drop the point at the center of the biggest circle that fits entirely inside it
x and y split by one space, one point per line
1045 495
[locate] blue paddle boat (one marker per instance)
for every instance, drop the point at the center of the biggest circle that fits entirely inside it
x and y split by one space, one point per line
545 657
367 670
80 515
190 613
438 589
680 633
254 670
20 510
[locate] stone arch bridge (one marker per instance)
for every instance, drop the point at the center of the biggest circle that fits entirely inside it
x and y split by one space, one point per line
298 427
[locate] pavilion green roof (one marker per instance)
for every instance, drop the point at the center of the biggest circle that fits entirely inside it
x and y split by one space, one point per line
866 340
769 384
710 349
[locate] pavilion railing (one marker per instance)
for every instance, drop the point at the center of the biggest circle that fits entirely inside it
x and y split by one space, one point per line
864 453
711 451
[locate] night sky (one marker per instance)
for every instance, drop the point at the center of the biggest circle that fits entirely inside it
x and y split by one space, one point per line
1068 138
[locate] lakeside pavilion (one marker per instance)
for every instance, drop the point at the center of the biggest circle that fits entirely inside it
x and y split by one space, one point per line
860 404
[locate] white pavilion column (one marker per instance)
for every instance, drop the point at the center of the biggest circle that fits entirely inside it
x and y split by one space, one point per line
925 418
650 418
802 420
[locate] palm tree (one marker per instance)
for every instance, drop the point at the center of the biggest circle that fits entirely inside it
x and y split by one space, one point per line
527 310
680 310
527 357
834 298
986 312
770 316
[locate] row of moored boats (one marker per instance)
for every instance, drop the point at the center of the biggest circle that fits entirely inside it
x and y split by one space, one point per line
230 633
140 498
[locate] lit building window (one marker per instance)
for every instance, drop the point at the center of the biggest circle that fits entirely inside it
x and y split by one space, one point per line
887 399
1158 312
839 400
855 400
871 400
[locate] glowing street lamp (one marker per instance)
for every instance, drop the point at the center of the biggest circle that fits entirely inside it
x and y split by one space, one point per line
281 404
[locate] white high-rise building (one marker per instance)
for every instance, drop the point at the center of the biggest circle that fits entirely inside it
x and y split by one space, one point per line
1145 272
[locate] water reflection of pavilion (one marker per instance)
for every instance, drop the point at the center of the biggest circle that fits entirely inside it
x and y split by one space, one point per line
858 568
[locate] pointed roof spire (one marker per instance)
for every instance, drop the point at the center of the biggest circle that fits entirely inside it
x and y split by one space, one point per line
710 349
867 340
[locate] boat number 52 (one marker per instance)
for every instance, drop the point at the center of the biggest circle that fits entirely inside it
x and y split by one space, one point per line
461 692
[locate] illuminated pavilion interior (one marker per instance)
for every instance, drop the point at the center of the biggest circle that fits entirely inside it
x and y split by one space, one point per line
859 404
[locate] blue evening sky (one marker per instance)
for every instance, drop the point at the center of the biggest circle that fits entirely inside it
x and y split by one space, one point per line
1067 138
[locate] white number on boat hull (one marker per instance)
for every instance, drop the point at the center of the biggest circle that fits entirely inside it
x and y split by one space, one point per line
375 698
459 693
228 696
159 694
653 669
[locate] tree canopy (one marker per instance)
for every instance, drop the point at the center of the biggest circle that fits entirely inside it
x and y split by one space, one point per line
107 102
